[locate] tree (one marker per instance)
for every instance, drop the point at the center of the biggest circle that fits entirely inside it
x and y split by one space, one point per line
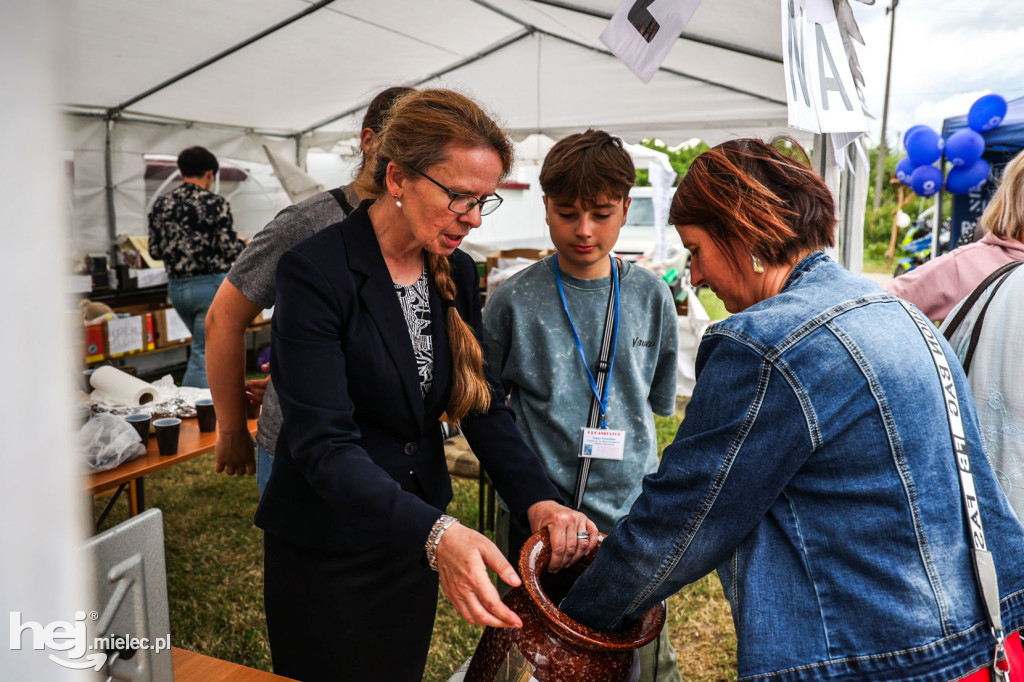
680 158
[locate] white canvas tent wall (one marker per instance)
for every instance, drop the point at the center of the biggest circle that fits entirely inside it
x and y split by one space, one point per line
154 77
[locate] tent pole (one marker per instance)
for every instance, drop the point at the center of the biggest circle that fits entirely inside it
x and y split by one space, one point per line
824 162
108 168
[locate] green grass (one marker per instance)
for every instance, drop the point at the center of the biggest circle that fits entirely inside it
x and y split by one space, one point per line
712 304
215 577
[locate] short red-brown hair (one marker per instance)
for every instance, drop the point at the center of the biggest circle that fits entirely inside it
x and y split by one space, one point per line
751 198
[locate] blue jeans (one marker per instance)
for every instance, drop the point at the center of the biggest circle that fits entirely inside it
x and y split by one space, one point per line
264 462
191 297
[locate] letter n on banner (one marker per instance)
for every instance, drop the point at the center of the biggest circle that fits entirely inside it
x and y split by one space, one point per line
819 86
641 32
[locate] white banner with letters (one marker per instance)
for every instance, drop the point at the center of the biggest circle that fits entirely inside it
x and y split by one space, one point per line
819 86
641 32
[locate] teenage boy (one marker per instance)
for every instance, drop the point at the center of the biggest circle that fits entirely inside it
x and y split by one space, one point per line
544 328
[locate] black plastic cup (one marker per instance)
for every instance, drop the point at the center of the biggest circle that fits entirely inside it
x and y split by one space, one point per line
140 422
206 415
167 430
252 410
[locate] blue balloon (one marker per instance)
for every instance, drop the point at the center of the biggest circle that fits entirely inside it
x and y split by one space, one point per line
964 147
910 131
924 146
904 169
968 179
987 112
926 180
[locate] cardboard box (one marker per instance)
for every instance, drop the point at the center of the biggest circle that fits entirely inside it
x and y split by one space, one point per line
95 342
125 335
494 259
507 262
168 328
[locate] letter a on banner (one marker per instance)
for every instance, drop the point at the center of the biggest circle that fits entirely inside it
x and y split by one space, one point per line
641 32
819 86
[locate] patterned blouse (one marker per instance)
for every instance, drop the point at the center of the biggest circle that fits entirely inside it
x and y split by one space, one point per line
415 300
190 229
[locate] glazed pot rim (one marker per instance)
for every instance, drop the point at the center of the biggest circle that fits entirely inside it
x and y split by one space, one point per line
533 561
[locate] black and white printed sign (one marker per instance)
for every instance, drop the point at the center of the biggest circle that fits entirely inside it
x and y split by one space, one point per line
819 85
641 32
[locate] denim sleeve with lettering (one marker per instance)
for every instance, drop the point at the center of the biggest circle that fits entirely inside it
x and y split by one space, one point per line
742 440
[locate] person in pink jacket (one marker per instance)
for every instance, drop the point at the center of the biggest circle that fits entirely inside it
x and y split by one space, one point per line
938 285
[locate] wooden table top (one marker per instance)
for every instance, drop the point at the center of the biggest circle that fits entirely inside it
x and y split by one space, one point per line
191 443
192 667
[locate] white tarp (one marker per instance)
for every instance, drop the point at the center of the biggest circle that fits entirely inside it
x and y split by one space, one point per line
185 72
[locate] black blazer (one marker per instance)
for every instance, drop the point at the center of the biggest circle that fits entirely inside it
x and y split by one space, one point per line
360 457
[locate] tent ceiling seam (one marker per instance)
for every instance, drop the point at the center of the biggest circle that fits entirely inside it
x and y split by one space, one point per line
436 74
669 70
385 27
114 111
692 37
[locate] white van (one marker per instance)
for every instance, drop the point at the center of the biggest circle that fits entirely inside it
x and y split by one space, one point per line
637 237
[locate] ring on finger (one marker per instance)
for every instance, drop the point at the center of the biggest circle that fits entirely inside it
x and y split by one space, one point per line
583 535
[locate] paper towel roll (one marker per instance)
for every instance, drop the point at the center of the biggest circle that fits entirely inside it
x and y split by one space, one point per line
122 387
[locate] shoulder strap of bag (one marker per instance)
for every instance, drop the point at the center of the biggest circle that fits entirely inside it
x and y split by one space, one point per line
339 196
984 567
600 378
973 297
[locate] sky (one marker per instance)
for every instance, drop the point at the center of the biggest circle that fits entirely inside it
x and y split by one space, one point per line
946 54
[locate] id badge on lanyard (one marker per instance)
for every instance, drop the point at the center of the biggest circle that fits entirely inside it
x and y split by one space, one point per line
602 443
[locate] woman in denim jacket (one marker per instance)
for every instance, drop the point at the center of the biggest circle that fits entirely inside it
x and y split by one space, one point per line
815 467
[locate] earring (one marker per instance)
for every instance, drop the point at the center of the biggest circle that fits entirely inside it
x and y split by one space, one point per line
398 203
758 267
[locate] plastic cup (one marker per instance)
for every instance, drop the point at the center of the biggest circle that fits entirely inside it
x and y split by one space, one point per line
167 430
140 422
252 410
205 415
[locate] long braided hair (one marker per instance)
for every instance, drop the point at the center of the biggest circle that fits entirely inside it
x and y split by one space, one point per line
422 126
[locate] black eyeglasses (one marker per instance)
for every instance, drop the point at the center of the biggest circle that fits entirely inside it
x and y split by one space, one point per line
464 203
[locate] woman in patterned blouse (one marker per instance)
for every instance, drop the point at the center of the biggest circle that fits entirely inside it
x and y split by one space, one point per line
376 334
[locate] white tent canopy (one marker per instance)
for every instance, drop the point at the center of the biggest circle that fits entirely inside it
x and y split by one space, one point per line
235 75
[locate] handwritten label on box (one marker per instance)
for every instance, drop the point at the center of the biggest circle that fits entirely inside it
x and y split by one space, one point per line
176 329
124 335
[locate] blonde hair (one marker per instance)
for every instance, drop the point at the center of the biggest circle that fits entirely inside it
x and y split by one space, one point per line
1004 215
423 126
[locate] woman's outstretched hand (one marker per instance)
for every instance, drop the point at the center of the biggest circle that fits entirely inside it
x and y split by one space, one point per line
463 557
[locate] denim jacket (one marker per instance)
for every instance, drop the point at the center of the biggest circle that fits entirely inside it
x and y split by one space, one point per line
815 470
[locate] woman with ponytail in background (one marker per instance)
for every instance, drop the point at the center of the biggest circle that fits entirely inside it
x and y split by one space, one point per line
378 334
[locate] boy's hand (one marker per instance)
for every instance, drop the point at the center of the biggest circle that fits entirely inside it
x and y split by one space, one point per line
565 527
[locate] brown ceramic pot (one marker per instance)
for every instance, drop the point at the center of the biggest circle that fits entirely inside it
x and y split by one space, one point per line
551 647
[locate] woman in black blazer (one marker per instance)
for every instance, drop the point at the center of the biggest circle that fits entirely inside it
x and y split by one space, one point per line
375 335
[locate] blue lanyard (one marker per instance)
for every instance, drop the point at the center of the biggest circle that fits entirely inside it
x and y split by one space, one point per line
602 399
